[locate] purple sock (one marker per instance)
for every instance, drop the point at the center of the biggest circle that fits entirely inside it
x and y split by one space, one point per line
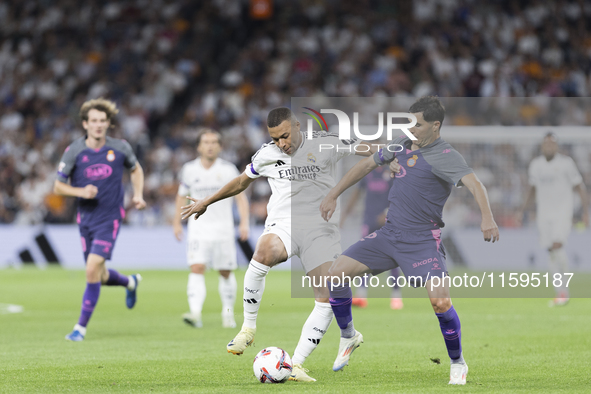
91 296
452 333
340 301
116 279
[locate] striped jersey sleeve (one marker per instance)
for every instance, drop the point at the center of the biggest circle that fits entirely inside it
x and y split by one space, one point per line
259 161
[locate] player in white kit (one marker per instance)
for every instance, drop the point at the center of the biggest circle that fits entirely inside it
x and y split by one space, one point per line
210 242
552 179
300 175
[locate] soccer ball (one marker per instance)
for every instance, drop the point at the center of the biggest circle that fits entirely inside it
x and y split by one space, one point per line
272 365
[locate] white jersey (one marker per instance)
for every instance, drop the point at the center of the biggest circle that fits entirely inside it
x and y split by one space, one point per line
300 182
554 181
199 182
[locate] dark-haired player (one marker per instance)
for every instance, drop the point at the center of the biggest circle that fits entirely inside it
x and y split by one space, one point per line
299 174
94 164
427 169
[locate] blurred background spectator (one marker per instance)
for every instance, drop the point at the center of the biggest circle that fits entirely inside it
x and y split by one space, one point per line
176 66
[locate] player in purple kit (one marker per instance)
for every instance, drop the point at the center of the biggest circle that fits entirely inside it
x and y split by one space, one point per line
427 169
95 164
377 186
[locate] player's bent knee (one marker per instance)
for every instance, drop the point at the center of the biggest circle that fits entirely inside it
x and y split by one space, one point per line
95 263
225 273
441 305
96 272
270 250
264 257
94 259
198 268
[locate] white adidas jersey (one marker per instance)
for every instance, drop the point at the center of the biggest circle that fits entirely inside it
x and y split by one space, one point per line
554 181
198 182
300 182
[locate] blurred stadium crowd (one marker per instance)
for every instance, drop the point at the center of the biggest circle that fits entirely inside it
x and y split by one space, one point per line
176 66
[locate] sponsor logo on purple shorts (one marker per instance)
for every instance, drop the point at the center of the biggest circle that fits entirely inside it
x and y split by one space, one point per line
435 266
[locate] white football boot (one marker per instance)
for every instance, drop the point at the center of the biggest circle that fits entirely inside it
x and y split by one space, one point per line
194 320
243 340
228 320
458 373
300 374
346 348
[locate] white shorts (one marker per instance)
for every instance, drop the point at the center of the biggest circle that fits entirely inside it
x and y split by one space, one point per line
553 230
217 255
314 245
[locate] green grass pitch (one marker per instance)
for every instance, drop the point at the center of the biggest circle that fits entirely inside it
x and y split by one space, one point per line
511 345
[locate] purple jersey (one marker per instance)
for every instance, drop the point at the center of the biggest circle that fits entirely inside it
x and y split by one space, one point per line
377 186
102 168
424 183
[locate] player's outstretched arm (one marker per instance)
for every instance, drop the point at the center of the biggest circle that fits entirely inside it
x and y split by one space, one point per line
489 228
232 188
244 213
64 189
531 193
354 175
137 181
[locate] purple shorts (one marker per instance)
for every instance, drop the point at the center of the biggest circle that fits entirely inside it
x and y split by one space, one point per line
99 239
417 253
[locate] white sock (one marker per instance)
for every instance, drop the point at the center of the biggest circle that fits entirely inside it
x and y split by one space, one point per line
131 284
227 290
196 292
254 286
81 329
313 331
558 265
